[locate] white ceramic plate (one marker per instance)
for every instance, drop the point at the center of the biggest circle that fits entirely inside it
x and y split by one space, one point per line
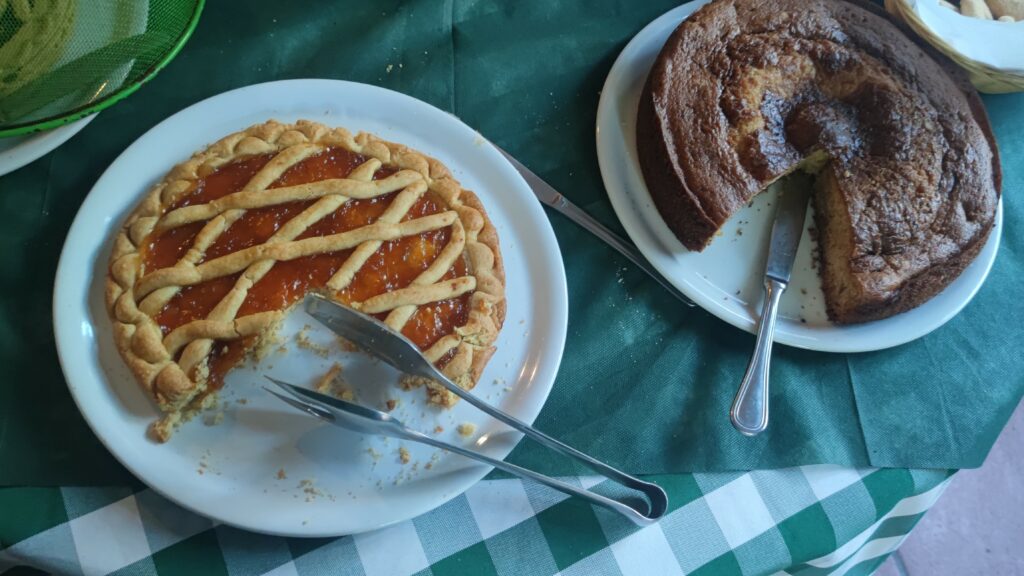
18 151
337 482
726 278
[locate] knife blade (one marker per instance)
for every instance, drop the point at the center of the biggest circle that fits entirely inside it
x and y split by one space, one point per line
551 197
788 227
749 411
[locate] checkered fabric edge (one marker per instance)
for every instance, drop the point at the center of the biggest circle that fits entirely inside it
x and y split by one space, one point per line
803 521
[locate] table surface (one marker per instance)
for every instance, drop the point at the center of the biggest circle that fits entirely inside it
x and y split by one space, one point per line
816 519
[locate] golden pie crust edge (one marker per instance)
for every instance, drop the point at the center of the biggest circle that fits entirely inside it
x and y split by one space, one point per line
140 341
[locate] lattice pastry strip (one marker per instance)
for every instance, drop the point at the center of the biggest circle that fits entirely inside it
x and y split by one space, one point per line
200 334
174 367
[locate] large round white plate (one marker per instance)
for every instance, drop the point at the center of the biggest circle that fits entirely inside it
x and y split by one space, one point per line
18 151
337 482
726 278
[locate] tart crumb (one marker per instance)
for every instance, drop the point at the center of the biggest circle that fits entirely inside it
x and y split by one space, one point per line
308 487
281 474
303 341
346 345
408 382
242 401
433 458
269 341
332 383
403 455
466 429
438 429
390 404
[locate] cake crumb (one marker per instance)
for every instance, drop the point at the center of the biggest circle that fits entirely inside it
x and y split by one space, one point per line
242 401
213 419
373 454
390 404
281 474
466 429
499 381
438 429
388 69
403 455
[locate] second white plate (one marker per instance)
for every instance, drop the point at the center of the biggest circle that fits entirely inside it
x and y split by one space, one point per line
17 151
265 466
726 278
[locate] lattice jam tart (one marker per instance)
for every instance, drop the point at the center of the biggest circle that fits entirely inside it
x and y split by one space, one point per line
212 259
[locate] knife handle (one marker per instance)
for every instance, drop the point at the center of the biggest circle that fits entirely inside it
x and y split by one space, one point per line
573 212
749 413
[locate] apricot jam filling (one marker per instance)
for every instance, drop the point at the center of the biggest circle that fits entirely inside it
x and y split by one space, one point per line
394 265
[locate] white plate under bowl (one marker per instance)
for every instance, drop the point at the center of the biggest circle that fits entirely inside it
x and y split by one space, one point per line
726 278
336 482
108 22
17 151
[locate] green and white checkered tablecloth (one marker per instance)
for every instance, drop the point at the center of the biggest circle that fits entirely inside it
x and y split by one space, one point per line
810 520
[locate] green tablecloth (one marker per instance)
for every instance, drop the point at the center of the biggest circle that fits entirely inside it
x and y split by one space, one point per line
645 382
808 521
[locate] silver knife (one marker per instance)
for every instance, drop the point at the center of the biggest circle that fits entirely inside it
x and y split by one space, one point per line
548 195
749 413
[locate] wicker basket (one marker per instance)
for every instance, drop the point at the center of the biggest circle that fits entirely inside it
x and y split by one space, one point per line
985 78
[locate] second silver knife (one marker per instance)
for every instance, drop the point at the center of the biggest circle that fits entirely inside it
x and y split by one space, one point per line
551 197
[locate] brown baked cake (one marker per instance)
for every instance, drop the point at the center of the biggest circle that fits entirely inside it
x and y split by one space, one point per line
215 255
747 91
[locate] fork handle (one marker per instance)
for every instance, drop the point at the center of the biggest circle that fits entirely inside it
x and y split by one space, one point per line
657 496
641 518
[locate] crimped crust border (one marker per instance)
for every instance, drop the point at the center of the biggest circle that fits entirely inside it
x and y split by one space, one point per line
138 337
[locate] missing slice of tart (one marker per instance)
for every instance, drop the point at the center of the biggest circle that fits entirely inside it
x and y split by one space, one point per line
212 259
